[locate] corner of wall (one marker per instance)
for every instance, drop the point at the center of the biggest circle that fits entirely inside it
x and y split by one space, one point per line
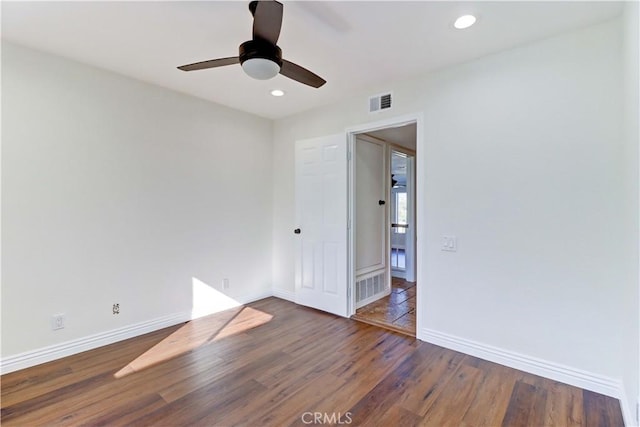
631 52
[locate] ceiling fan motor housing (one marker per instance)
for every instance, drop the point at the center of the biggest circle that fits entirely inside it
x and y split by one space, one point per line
260 49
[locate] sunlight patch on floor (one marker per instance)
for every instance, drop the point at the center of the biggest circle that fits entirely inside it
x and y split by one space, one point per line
228 318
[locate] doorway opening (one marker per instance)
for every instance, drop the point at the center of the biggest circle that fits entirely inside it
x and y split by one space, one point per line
399 214
383 232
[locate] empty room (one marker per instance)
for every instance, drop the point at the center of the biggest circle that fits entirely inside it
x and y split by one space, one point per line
368 213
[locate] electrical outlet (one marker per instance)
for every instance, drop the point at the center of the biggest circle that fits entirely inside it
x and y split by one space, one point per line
57 321
225 283
449 243
116 309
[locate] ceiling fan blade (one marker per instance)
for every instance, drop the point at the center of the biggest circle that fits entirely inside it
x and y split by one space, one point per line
302 75
267 20
212 63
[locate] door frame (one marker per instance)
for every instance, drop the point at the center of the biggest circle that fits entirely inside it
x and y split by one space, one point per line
418 119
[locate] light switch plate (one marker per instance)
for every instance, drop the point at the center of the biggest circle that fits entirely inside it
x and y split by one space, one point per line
449 243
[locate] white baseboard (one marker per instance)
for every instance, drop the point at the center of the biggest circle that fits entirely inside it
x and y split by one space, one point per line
246 299
68 348
628 413
284 294
400 274
557 372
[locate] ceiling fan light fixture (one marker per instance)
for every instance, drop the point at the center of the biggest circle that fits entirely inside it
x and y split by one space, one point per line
260 68
260 57
464 21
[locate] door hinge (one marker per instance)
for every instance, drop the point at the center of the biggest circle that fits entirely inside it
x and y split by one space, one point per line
348 224
348 155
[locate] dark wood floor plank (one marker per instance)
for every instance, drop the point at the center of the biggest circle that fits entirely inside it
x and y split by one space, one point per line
439 365
52 398
194 408
321 360
54 375
393 387
494 392
46 373
84 396
526 406
456 397
326 330
397 416
285 385
303 367
357 373
292 409
270 362
564 406
600 411
118 415
243 370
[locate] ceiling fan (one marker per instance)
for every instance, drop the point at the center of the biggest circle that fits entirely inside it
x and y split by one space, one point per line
260 57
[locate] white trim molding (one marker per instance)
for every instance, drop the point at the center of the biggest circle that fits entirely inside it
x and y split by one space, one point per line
628 413
68 348
249 298
284 294
576 377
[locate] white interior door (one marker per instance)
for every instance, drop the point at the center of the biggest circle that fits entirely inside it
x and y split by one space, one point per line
321 223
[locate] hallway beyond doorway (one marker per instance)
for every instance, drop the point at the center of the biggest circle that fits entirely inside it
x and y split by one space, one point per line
397 311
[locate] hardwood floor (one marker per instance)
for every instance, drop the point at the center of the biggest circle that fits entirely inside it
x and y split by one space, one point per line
397 311
273 363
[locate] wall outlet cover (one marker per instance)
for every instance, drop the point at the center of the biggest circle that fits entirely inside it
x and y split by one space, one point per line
449 243
57 321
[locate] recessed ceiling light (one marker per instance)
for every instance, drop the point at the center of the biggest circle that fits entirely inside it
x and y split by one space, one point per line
465 21
277 92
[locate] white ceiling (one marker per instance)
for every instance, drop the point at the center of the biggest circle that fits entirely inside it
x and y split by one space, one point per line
353 45
405 136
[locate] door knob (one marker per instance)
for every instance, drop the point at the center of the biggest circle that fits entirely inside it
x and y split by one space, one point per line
381 202
297 231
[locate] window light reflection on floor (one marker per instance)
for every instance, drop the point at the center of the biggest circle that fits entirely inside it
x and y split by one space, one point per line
215 315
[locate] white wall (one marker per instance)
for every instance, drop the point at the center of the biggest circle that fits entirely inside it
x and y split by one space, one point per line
118 191
522 155
631 326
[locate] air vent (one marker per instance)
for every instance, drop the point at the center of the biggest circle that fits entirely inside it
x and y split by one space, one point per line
380 102
370 288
